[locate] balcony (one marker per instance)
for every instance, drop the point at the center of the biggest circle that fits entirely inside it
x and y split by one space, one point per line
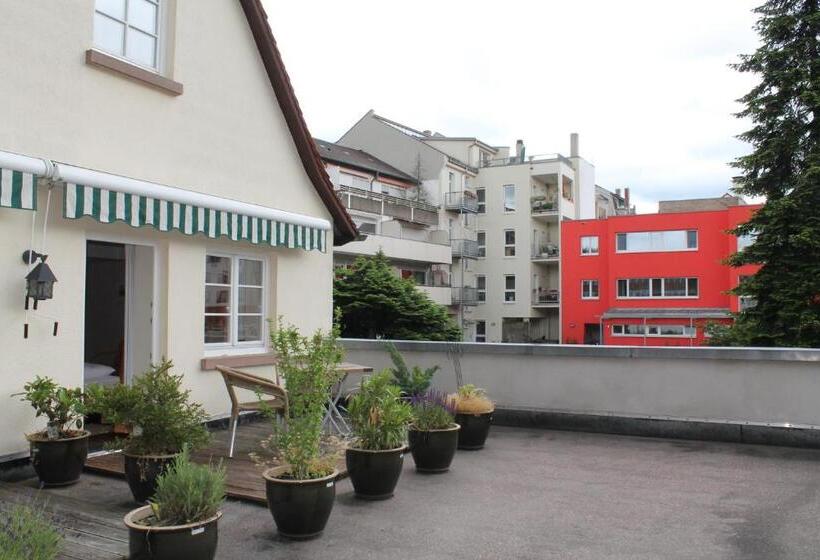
406 244
440 294
465 295
546 254
546 298
387 205
464 248
544 207
461 201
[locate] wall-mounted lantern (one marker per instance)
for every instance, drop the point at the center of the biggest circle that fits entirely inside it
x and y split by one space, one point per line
40 281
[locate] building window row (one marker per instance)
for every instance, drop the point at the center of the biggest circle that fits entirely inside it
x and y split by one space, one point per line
589 245
677 287
682 331
481 200
509 242
509 288
129 29
234 301
481 331
509 198
656 241
589 289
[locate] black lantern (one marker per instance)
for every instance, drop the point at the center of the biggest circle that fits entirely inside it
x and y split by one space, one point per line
40 281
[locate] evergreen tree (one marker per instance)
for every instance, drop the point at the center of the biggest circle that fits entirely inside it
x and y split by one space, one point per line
784 167
375 303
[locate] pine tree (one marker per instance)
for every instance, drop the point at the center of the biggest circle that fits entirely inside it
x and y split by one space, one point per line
376 303
784 167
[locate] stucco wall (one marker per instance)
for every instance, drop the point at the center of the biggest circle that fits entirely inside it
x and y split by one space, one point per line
739 385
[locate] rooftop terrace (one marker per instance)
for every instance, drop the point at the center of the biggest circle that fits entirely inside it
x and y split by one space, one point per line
530 493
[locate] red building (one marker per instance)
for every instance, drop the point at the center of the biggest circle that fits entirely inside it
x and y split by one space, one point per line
651 279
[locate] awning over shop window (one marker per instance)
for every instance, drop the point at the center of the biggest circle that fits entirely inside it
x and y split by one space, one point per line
108 206
18 190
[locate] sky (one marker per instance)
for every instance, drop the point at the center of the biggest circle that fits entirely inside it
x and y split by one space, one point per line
646 84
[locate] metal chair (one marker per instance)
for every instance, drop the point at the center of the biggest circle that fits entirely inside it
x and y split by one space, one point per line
234 379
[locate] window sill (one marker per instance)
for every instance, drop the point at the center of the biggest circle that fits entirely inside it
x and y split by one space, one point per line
209 363
101 60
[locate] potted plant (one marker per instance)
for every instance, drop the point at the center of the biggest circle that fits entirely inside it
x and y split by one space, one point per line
28 531
181 519
301 491
161 419
474 413
433 435
58 453
379 419
412 381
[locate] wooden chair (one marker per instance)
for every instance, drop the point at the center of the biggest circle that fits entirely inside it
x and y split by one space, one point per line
234 379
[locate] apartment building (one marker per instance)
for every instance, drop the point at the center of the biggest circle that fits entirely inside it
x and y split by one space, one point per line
390 212
652 279
503 209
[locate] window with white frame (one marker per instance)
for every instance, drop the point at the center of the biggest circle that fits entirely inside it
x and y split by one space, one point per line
234 301
509 288
481 196
589 289
509 198
451 181
481 331
481 241
656 241
589 245
481 287
676 287
745 302
671 331
129 29
509 242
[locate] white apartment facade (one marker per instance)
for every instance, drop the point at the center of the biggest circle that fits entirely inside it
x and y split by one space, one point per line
521 201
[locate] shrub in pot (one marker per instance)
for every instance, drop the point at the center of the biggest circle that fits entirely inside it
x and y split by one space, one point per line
181 519
412 381
58 453
433 435
379 419
162 422
474 413
301 491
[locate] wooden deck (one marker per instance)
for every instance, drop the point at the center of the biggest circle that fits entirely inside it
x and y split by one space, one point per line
244 477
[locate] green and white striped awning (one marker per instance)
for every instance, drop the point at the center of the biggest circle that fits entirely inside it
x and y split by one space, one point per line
18 190
108 206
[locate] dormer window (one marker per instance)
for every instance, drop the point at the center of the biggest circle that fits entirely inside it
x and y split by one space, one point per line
129 29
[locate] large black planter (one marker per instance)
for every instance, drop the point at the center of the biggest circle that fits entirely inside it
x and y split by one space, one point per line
58 462
474 430
194 540
300 508
433 450
374 474
142 471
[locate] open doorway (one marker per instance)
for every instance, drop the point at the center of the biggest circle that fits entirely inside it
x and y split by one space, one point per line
118 314
592 333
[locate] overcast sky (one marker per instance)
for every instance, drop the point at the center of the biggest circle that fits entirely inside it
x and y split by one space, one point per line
645 83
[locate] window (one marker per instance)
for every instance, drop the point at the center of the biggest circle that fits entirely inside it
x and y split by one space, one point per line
481 241
481 195
509 288
509 198
419 277
745 302
589 289
589 245
481 331
680 331
367 227
648 241
129 29
682 287
509 242
481 287
745 240
234 300
451 181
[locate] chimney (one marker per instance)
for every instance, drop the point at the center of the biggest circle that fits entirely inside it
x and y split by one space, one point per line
626 197
618 192
519 150
573 144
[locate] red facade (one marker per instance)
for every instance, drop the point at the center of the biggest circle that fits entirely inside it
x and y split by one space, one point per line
659 287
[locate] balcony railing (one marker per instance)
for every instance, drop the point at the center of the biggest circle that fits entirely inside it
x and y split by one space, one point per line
516 160
464 248
461 201
387 205
546 297
465 295
548 252
541 205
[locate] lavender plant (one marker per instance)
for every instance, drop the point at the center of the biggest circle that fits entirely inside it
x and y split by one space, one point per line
432 410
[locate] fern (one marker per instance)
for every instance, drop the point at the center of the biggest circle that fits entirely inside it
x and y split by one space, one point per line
412 382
